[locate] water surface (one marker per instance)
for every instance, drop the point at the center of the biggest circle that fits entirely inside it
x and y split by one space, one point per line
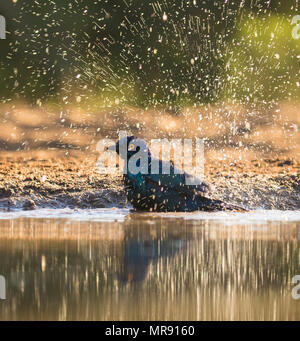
111 264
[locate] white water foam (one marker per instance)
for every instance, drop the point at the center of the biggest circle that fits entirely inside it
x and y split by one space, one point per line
101 214
230 218
117 214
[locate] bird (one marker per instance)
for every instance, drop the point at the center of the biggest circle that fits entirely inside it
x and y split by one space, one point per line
162 192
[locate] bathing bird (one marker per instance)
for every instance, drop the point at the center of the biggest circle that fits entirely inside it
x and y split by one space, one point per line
161 192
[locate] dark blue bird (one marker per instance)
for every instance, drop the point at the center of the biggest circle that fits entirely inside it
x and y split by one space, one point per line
161 192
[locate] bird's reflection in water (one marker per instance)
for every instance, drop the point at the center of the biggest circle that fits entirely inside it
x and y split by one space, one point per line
143 245
139 254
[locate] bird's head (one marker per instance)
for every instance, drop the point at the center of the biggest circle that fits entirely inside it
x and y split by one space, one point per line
128 146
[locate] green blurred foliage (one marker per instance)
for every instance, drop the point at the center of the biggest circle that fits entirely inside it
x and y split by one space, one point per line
135 52
263 61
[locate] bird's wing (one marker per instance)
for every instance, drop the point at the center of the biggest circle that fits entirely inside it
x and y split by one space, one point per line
176 182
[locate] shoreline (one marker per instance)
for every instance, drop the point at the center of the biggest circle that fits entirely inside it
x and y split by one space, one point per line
30 182
48 158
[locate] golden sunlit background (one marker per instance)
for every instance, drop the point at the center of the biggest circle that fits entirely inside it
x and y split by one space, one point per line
76 71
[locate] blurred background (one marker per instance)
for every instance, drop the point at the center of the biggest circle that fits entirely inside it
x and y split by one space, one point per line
150 52
231 67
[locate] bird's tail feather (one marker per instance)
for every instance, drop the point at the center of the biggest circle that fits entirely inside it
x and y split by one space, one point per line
219 205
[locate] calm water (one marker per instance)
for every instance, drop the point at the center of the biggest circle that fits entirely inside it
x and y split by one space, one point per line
117 265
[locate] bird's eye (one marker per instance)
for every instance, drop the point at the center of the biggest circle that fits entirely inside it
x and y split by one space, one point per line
131 147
